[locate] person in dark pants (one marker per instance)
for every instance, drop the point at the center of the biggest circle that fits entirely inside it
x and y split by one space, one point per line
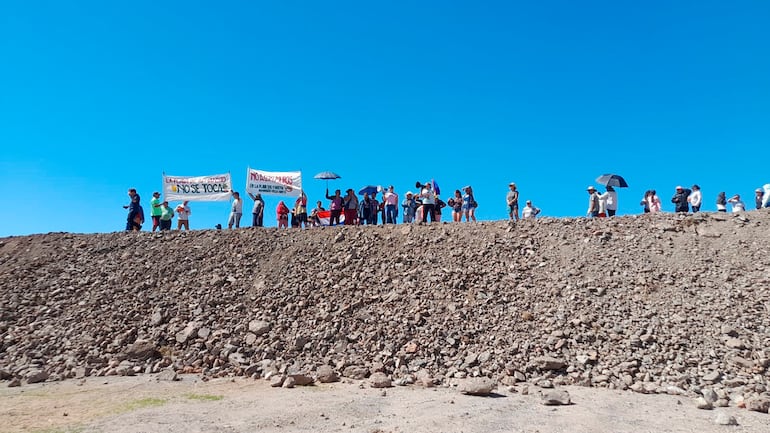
680 199
135 213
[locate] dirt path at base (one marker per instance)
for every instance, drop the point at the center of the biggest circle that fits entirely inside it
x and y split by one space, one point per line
142 404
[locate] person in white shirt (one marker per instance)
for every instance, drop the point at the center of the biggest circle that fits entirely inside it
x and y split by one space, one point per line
529 211
738 205
236 211
183 216
695 198
608 202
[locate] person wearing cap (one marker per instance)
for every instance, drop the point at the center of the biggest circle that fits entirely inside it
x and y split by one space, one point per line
155 210
766 195
165 216
738 205
512 198
758 198
529 211
593 202
695 199
410 205
183 216
680 199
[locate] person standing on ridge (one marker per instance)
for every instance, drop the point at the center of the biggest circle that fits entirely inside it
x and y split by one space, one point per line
183 216
512 198
758 198
529 211
721 202
610 200
350 207
695 199
680 199
335 207
155 210
391 205
258 210
409 205
166 215
135 213
236 211
593 202
470 204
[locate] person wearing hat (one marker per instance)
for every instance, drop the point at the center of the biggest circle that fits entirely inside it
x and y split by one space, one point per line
593 202
680 199
155 210
410 205
513 202
529 211
738 205
758 198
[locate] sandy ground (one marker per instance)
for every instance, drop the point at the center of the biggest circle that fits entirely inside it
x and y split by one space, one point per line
142 404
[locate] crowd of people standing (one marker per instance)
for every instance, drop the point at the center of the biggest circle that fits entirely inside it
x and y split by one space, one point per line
425 205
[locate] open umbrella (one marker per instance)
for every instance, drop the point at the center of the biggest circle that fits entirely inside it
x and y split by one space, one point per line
327 175
614 180
368 189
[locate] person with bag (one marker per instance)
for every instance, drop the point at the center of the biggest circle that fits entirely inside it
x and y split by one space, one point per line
456 203
470 204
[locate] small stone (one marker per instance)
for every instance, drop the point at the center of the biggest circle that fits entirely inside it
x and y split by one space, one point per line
702 403
36 376
549 363
480 386
276 381
712 376
710 395
735 343
380 380
355 372
14 382
301 379
555 397
259 327
326 374
289 382
167 375
724 419
758 404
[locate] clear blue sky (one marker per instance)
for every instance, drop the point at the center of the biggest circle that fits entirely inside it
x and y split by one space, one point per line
97 97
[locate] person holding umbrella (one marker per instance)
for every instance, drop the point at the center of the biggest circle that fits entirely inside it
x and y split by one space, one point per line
610 201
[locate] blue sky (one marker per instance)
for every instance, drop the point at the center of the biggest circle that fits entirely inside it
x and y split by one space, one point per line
101 96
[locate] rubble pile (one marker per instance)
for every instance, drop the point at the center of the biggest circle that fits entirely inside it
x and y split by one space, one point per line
660 303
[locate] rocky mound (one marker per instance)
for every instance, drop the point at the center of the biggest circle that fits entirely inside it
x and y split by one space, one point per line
653 303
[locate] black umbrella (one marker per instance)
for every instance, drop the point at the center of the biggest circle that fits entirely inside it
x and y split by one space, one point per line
327 175
612 180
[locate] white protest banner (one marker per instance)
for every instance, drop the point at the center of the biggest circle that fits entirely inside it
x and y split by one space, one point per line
285 183
197 188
